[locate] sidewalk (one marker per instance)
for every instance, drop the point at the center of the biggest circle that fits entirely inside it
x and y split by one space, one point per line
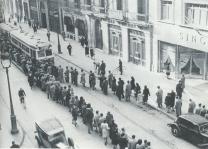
6 137
195 88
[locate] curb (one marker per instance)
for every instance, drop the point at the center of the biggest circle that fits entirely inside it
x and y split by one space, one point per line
23 131
163 112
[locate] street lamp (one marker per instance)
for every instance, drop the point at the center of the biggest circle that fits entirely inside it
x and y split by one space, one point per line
59 45
58 27
6 63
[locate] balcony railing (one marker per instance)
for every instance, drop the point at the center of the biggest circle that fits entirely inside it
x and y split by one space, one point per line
136 17
116 14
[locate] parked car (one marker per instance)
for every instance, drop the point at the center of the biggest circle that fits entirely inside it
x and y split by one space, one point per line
50 134
191 127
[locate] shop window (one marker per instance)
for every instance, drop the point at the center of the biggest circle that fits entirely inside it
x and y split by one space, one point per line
196 15
141 6
167 10
119 4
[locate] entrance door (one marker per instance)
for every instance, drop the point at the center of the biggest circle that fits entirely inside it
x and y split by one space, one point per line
98 35
137 51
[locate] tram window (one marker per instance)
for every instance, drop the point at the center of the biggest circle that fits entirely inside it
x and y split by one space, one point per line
41 53
48 52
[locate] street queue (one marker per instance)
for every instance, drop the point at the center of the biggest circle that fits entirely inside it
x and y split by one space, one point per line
56 83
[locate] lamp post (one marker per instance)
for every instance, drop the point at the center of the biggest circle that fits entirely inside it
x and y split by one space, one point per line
58 27
6 63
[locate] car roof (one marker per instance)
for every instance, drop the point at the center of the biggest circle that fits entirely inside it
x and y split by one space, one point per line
51 126
194 118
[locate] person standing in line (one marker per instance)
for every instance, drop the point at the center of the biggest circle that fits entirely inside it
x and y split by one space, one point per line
178 106
61 74
48 35
74 115
179 89
72 75
120 67
132 83
132 142
92 53
192 106
82 41
159 95
203 111
137 91
82 79
198 110
128 91
114 85
75 77
183 79
69 48
110 78
66 73
172 102
105 131
146 94
105 86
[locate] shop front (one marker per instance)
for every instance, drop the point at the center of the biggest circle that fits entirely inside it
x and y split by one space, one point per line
115 40
137 47
185 52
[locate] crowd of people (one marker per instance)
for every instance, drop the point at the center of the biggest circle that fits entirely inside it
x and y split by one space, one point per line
56 82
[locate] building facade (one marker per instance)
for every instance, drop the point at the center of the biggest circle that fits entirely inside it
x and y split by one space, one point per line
180 37
117 27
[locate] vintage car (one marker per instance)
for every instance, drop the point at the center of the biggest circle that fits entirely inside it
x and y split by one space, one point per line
191 127
50 134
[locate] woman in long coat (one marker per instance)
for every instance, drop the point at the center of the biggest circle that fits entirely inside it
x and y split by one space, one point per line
114 86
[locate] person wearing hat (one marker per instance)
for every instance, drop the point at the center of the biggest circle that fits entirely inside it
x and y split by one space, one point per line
179 89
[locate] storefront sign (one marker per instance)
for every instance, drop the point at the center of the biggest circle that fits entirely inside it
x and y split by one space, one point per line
194 38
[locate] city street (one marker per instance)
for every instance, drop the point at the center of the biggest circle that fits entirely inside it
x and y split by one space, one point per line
49 48
149 125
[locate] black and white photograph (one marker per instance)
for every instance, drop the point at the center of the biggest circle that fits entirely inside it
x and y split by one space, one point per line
104 74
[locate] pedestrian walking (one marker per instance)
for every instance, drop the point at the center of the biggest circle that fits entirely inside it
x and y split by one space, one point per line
82 41
120 67
192 106
22 95
69 48
102 68
128 91
178 106
183 79
105 131
49 35
159 95
92 54
179 89
146 94
86 51
82 79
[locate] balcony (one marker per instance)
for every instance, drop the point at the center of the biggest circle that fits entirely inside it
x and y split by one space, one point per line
99 11
136 17
116 14
87 9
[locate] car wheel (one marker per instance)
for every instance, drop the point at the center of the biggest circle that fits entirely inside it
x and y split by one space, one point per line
175 131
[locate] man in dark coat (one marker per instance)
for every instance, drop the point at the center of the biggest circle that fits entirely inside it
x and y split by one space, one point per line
172 102
82 41
89 117
102 68
91 53
86 51
102 78
179 89
146 94
72 75
66 73
76 77
69 48
120 90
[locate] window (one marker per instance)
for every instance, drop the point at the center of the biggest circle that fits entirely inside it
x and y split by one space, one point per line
141 6
196 14
167 10
119 5
41 53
